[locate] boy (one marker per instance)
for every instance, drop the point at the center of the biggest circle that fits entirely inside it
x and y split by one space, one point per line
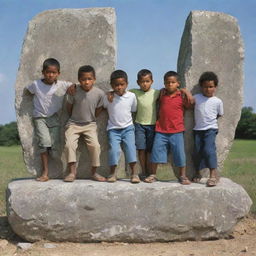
145 118
120 126
47 101
170 128
207 109
84 107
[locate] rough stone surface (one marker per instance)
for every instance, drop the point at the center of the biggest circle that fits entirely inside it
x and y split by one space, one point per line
75 37
91 211
211 41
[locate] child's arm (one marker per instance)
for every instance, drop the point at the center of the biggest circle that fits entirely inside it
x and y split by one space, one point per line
69 108
98 111
110 96
71 89
189 98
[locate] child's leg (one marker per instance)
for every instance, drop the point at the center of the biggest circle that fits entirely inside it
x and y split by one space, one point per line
72 135
45 171
44 142
93 146
176 141
211 156
198 154
140 142
114 139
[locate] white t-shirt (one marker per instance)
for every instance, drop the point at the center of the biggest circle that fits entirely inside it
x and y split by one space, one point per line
206 111
47 98
120 110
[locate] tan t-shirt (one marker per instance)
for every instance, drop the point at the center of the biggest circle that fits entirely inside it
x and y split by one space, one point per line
84 105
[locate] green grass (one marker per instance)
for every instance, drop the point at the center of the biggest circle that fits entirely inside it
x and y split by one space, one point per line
240 166
11 166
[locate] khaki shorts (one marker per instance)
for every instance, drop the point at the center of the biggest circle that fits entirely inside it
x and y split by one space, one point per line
47 131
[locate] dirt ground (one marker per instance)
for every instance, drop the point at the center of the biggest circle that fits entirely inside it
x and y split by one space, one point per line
242 242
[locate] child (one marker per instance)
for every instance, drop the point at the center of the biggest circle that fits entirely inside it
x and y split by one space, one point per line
84 107
170 128
145 119
47 101
207 109
120 126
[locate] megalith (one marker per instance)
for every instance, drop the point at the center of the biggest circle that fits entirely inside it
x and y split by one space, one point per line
89 211
75 37
211 41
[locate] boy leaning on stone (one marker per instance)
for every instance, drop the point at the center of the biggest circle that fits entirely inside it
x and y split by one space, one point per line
84 106
208 108
48 94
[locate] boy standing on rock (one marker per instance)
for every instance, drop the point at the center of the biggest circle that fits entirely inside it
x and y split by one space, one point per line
208 108
48 94
84 106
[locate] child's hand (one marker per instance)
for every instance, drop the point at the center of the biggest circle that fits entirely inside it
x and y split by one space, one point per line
71 89
110 96
189 97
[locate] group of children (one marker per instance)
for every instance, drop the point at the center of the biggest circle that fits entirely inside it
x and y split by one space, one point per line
157 128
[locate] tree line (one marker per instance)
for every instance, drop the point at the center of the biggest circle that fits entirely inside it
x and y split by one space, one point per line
246 129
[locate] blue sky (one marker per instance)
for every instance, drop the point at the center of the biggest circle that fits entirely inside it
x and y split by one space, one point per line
148 35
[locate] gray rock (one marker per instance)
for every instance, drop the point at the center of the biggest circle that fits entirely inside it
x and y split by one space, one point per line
75 37
88 211
211 41
24 246
49 246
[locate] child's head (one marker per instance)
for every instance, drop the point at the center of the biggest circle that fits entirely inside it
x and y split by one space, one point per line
86 77
208 82
119 82
144 79
171 81
51 70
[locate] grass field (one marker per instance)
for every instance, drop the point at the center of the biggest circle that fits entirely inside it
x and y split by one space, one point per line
240 166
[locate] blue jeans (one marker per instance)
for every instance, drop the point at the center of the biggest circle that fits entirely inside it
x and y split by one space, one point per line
205 149
166 142
121 137
144 136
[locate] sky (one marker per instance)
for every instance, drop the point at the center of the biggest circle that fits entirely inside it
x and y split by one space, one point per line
148 36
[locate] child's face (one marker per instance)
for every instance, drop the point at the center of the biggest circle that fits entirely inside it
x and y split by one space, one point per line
119 86
50 74
86 80
171 84
208 88
145 82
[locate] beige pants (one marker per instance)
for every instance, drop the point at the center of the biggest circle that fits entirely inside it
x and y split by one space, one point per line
89 133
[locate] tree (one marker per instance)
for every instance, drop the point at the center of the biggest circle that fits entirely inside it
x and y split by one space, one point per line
9 134
246 128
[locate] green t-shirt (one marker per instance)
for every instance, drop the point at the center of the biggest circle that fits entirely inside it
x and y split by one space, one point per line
146 106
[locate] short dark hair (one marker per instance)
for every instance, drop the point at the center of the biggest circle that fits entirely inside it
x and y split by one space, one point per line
171 73
86 69
118 74
51 62
144 72
208 76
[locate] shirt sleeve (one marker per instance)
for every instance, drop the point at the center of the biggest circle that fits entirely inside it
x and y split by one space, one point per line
105 101
134 104
101 99
220 109
32 88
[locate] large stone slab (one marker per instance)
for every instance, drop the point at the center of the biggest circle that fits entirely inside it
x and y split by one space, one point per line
211 41
88 211
75 37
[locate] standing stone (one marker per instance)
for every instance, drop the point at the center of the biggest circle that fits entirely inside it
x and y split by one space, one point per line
75 37
211 41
